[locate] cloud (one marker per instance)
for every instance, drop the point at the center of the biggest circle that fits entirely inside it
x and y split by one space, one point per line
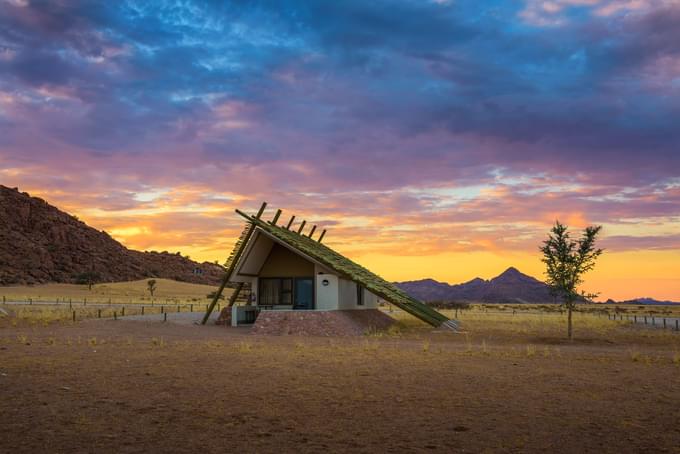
482 121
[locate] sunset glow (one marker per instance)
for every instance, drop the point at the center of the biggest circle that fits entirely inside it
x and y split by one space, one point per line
433 139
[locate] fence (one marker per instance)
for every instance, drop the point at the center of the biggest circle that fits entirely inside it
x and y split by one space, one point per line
75 311
660 322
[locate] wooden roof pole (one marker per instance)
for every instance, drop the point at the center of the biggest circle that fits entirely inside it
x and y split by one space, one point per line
312 232
229 271
234 294
302 226
276 217
322 235
290 222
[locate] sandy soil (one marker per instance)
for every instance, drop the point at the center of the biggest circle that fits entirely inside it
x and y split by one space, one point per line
104 386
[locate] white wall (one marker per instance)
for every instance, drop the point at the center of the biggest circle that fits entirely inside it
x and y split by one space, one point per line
370 300
327 295
348 297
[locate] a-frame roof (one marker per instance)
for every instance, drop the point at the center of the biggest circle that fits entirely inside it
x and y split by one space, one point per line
339 264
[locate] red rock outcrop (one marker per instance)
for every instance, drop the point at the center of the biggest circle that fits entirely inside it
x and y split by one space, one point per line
41 244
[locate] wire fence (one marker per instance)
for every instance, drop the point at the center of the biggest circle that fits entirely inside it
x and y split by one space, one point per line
68 309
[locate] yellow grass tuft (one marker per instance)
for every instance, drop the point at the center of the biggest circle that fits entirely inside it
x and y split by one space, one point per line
531 351
635 356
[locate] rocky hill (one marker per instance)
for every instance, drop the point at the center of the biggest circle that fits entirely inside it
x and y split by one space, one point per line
511 286
40 244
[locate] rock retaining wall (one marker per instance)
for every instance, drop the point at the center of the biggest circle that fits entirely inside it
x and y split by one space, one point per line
321 323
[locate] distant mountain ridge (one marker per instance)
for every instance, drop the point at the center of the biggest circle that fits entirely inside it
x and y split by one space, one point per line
644 301
40 243
511 286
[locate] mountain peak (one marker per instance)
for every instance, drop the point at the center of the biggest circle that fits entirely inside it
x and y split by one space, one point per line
511 286
511 271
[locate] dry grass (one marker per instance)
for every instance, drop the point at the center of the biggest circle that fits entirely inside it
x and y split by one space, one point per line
419 394
595 308
167 291
481 327
47 315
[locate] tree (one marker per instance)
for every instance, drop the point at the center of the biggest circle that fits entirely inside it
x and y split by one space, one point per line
88 278
566 261
151 285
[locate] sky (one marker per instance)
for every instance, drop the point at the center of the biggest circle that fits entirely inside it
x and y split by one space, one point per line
433 139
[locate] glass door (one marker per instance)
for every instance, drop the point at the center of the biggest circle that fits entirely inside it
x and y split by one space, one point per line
304 293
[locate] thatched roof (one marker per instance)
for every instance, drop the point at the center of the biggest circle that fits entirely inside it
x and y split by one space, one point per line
340 264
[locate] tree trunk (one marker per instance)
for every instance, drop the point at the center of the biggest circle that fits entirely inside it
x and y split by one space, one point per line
569 330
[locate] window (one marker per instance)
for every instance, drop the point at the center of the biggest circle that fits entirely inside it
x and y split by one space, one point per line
286 291
276 291
360 295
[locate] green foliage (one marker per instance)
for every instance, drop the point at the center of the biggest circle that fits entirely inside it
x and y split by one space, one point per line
87 278
567 260
151 286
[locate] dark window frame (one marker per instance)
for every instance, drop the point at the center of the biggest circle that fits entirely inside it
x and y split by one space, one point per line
282 291
360 295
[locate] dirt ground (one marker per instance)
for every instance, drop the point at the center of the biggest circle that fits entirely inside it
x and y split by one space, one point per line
133 387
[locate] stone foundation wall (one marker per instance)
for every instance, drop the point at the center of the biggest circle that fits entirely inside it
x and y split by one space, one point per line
321 323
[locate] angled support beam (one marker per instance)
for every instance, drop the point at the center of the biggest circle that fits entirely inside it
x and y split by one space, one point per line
228 273
302 226
312 232
290 223
322 235
234 295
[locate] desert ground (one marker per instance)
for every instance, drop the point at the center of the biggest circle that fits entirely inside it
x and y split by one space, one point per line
507 383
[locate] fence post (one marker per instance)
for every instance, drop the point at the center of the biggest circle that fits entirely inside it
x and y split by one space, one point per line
191 308
122 312
99 313
162 310
645 319
664 323
676 326
115 315
142 310
74 316
69 304
165 316
635 318
653 322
